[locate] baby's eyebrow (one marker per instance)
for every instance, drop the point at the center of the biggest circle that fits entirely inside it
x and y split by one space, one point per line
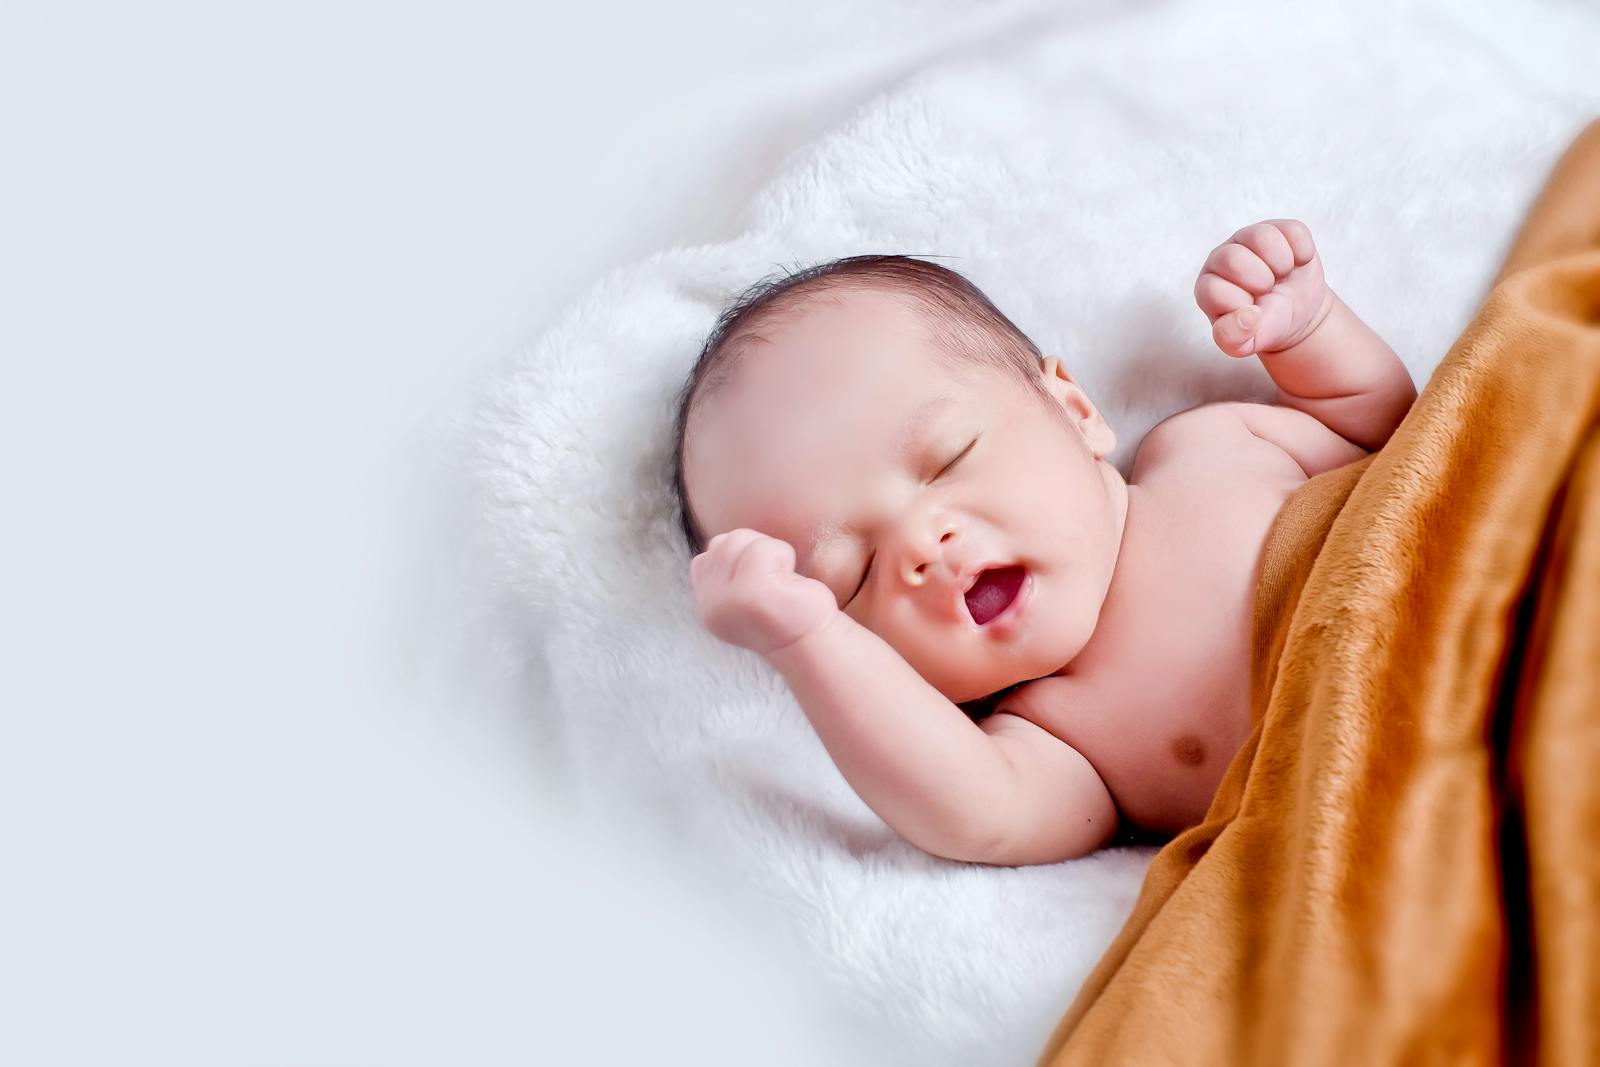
909 435
917 423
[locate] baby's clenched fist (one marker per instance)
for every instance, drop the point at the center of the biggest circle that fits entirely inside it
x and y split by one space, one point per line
1263 289
749 594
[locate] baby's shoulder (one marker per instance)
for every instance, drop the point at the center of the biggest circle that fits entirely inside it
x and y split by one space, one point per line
1178 437
1192 442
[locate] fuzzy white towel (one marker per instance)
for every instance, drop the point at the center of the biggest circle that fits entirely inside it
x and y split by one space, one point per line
1078 172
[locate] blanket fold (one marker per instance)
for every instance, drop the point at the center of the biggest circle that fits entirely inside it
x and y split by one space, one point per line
1402 864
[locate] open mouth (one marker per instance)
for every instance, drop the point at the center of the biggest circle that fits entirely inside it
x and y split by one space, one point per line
993 592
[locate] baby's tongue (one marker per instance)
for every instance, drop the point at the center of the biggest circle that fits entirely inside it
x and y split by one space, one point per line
994 589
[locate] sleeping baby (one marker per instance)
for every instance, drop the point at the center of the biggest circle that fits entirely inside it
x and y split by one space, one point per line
894 499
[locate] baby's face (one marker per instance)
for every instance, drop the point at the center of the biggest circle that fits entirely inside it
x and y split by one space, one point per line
838 436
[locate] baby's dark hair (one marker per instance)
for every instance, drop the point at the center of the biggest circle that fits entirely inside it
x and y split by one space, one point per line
967 328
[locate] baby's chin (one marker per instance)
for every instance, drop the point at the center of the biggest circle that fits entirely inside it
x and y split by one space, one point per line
1011 674
993 684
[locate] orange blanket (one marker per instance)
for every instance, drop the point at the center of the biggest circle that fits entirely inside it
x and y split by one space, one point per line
1402 864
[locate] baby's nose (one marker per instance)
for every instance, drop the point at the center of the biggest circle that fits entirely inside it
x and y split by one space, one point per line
932 566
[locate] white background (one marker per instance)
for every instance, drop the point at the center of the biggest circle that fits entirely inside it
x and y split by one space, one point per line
269 790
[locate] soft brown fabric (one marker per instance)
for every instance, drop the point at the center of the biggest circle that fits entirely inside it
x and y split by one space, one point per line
1402 864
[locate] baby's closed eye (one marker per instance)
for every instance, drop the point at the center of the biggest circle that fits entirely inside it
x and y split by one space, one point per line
867 570
959 456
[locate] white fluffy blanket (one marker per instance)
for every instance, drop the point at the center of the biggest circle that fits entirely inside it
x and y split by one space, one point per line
1078 171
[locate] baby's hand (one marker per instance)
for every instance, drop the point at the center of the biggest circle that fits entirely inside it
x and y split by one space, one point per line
1263 289
749 594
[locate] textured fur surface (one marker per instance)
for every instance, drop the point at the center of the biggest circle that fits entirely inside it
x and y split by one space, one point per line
1078 171
1400 864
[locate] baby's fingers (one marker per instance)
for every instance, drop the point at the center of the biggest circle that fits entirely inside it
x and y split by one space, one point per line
722 553
1242 267
1235 333
1298 234
1271 244
1218 296
765 555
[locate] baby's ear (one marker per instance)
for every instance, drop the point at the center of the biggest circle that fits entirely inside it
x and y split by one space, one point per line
1085 416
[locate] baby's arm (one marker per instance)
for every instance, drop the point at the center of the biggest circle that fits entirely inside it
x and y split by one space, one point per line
1346 376
1004 792
943 783
1266 295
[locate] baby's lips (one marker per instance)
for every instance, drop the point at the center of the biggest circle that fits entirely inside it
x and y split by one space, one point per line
959 607
995 591
965 579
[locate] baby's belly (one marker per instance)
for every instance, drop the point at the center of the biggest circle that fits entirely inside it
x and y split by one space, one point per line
1164 705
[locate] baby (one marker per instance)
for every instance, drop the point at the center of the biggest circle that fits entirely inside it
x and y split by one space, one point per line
903 508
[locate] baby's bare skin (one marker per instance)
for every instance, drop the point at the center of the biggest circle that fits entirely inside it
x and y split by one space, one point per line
1135 619
1158 701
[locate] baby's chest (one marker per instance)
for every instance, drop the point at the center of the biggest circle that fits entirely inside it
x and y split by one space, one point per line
1161 712
1191 591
